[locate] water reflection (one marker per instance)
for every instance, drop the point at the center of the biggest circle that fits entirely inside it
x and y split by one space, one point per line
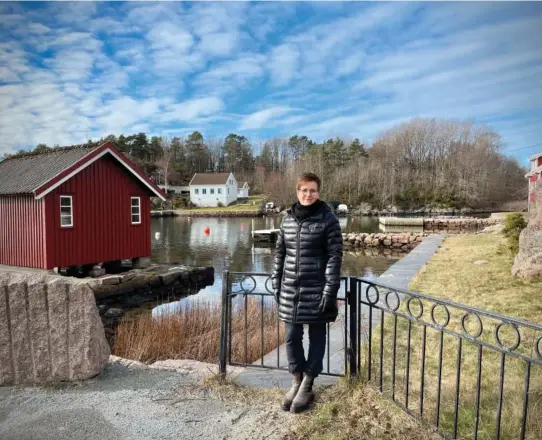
227 245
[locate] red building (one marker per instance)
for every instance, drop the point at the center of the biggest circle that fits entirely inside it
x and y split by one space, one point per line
534 175
74 206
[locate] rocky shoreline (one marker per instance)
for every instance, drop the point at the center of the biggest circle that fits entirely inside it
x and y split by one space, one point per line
117 294
458 224
405 241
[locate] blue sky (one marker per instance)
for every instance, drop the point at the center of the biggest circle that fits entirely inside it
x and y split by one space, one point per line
73 71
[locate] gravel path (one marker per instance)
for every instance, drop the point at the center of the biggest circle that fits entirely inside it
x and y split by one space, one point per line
133 403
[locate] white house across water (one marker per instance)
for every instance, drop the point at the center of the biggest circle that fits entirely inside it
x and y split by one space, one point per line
242 190
212 189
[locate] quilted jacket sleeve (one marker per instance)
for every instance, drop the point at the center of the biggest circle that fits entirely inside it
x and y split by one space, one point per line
334 244
280 255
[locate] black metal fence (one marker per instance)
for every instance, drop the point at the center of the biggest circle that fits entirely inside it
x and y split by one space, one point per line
470 373
248 296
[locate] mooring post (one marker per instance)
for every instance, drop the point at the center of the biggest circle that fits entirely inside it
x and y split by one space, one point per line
222 361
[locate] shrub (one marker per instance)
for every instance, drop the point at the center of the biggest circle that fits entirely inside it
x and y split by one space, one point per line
514 224
220 205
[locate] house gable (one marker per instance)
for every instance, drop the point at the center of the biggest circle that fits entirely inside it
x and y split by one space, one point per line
41 173
89 159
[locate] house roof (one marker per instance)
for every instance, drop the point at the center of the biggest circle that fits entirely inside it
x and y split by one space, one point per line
40 173
24 173
242 184
210 179
535 156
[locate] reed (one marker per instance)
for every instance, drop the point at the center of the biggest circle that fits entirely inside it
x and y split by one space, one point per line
193 332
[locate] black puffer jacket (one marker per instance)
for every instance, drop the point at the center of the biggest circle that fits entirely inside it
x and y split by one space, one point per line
307 269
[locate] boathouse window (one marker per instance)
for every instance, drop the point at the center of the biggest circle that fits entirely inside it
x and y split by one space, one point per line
219 190
204 191
196 191
212 190
66 211
136 210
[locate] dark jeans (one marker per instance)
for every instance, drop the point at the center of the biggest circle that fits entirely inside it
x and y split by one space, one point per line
314 364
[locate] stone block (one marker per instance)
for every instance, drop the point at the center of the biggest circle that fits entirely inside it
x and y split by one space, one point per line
7 375
104 291
39 329
170 277
142 281
50 330
109 280
128 276
20 341
95 273
57 295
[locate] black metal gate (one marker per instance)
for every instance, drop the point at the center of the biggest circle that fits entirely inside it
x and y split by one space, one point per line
456 367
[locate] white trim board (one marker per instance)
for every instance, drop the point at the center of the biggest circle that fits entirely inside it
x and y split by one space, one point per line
91 161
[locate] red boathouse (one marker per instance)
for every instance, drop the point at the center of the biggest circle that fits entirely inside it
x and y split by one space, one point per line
74 206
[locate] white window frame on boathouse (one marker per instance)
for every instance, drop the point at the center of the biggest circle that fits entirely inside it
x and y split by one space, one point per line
137 213
66 211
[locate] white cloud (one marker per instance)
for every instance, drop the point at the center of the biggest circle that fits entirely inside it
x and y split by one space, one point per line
167 35
229 76
283 64
260 118
33 28
192 109
71 65
219 43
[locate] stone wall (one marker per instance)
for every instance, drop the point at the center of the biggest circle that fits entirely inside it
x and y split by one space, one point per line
458 224
50 330
404 241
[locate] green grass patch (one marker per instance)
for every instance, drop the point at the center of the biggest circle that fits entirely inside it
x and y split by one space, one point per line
252 204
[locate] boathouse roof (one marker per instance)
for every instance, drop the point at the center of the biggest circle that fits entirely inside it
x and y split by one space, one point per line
40 172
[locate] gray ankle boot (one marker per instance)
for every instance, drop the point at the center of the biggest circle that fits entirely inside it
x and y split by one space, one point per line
304 397
289 396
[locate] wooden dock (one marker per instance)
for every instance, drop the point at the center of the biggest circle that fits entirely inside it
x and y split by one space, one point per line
265 235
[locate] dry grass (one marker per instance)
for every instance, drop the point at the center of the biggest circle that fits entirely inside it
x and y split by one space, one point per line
350 411
346 411
193 332
452 274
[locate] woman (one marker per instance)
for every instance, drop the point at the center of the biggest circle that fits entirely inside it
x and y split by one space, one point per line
306 277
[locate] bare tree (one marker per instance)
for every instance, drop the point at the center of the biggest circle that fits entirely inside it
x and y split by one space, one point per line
164 163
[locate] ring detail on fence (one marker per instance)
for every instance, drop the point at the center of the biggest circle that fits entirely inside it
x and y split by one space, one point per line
467 333
420 304
387 297
243 289
516 333
372 286
446 321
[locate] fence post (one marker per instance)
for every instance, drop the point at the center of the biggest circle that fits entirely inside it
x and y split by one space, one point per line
353 333
222 360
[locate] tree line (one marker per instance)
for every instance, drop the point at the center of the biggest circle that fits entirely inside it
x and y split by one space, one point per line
418 163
